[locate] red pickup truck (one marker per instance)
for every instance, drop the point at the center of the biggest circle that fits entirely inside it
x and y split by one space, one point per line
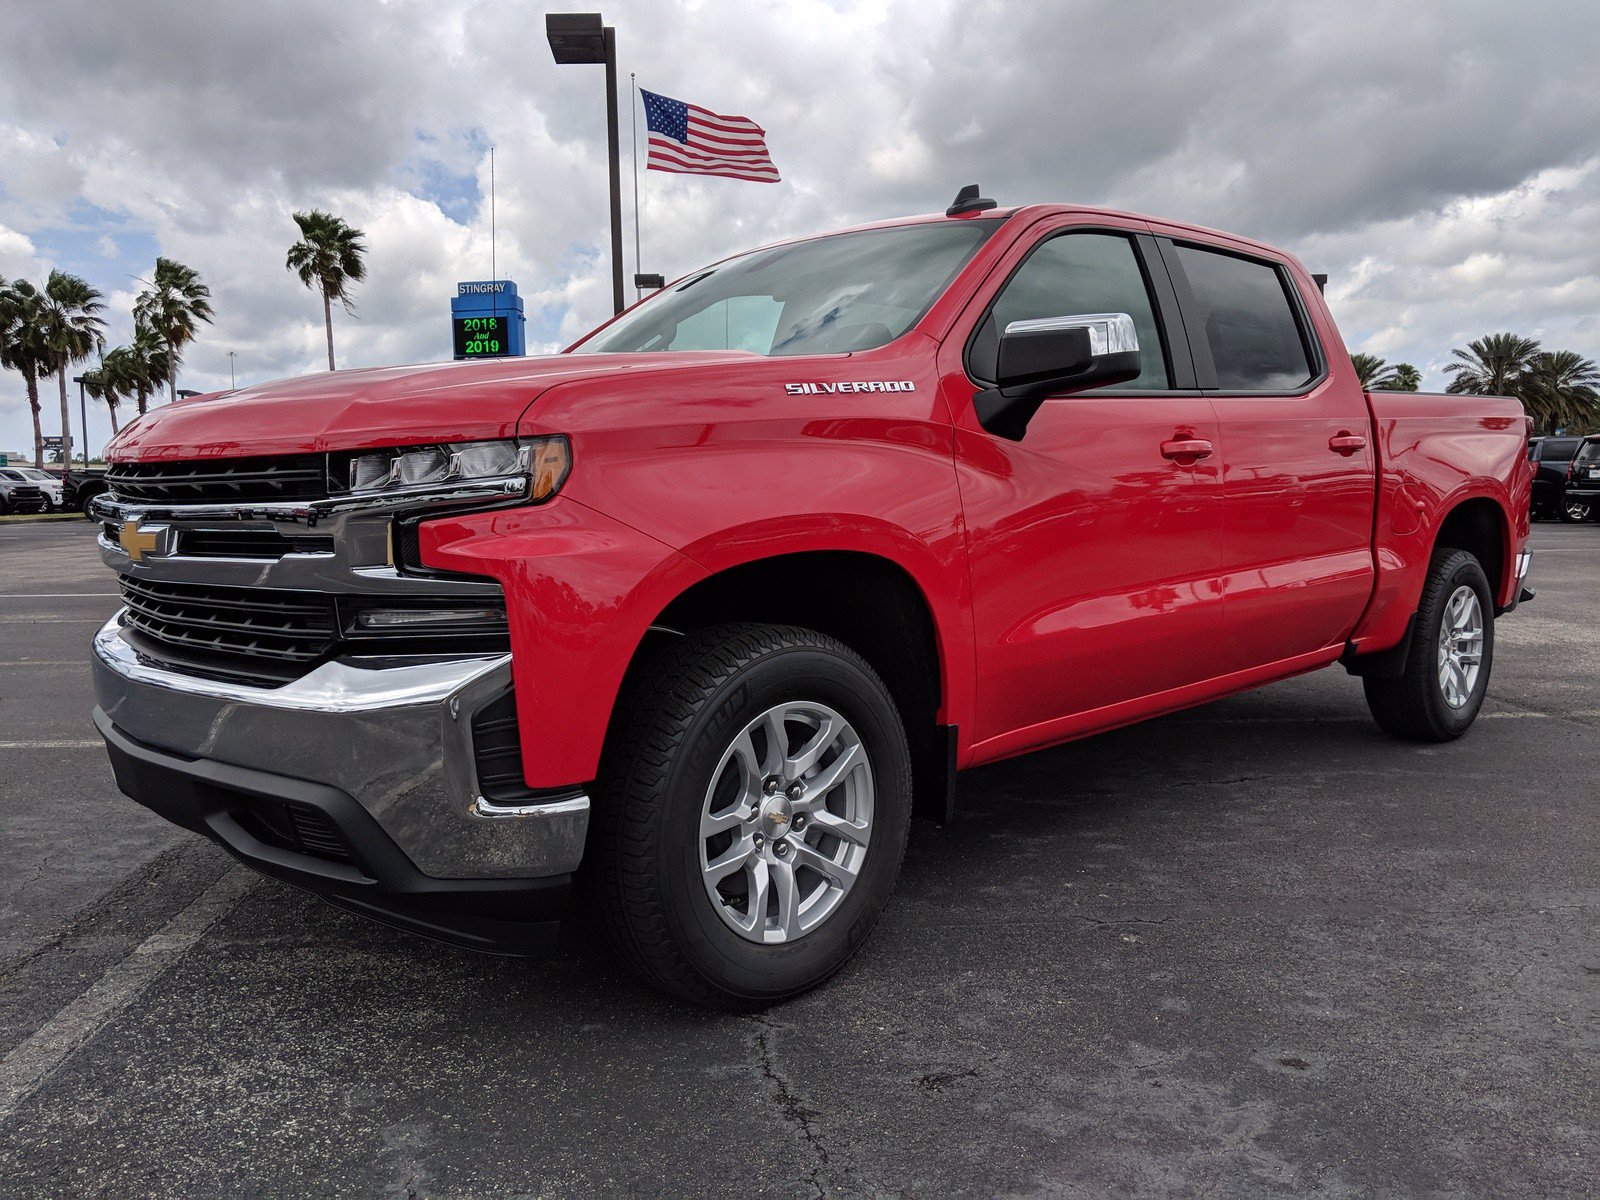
692 617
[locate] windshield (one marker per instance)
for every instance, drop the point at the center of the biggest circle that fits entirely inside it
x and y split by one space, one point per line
848 291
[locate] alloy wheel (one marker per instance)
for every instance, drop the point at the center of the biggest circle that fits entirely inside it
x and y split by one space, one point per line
1460 646
786 822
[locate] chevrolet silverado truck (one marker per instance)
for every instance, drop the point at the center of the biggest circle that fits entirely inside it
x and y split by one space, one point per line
681 626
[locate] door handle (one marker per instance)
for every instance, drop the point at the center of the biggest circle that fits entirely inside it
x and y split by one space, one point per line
1347 443
1190 448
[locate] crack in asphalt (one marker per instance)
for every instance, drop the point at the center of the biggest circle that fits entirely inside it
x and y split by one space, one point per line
789 1106
153 872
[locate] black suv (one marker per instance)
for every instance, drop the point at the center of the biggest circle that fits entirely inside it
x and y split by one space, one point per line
1581 500
1552 464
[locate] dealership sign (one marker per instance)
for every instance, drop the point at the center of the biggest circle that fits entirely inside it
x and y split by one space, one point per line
486 320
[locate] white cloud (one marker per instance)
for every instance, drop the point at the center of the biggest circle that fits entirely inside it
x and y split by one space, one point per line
1438 159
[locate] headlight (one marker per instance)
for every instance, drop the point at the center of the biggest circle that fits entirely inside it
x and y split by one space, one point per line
544 461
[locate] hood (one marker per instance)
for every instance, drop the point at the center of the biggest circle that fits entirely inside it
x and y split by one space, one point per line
381 406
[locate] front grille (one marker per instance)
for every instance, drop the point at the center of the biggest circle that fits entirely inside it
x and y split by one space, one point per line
238 543
249 543
251 634
272 479
269 636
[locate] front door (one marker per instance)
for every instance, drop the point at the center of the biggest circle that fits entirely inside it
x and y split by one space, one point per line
1093 542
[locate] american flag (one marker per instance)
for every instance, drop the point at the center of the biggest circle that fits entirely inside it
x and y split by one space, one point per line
689 140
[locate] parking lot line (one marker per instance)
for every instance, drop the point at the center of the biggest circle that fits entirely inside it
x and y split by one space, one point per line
31 1063
48 619
77 745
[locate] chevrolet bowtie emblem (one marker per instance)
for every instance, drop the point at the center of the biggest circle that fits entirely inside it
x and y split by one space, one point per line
139 540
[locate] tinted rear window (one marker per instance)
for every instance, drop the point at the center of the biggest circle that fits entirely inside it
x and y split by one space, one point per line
1249 322
1558 449
1589 453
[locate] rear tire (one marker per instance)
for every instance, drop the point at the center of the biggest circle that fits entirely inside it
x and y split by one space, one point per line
1575 512
1438 693
690 752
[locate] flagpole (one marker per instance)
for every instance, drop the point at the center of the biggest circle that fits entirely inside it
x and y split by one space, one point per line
638 293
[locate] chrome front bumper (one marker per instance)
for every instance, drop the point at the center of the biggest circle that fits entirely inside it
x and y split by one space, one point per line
397 741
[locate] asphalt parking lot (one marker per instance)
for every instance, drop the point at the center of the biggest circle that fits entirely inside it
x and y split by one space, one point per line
1255 948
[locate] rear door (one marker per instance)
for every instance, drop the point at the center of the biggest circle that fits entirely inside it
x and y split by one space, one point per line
1298 472
1093 547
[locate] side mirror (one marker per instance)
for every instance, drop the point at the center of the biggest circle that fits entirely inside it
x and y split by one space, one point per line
1053 356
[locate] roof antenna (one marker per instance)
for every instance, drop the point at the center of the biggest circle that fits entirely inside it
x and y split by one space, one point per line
968 200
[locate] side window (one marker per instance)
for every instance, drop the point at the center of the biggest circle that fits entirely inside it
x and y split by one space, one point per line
1248 321
1075 273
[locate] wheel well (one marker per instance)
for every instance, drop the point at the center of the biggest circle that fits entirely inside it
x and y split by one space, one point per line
869 603
1478 527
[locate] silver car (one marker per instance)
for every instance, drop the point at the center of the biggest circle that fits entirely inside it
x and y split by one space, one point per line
28 489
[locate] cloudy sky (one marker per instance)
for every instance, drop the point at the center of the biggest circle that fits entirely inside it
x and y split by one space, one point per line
1440 159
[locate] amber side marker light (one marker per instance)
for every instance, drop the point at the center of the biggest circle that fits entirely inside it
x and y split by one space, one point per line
552 463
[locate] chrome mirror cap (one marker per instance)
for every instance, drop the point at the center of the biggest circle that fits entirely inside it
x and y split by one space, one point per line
1109 333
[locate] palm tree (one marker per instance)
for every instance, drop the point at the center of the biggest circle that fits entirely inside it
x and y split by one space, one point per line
1492 366
1376 375
1403 377
1368 368
173 307
148 362
113 380
329 257
23 347
72 327
1562 389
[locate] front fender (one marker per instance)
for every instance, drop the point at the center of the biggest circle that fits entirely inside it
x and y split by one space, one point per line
581 590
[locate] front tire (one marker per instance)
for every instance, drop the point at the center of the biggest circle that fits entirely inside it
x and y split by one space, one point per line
1446 675
1576 512
754 804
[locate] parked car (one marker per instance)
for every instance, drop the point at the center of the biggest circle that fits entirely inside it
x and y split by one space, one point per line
1552 467
699 611
1582 499
83 485
28 489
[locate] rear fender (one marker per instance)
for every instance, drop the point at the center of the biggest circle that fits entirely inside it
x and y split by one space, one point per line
1403 558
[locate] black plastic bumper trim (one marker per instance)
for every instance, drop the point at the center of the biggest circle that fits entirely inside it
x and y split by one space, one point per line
223 802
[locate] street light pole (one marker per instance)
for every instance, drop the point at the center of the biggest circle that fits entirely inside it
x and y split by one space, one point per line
613 148
233 384
585 38
83 424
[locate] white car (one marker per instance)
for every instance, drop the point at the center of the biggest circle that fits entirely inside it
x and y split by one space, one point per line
17 489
